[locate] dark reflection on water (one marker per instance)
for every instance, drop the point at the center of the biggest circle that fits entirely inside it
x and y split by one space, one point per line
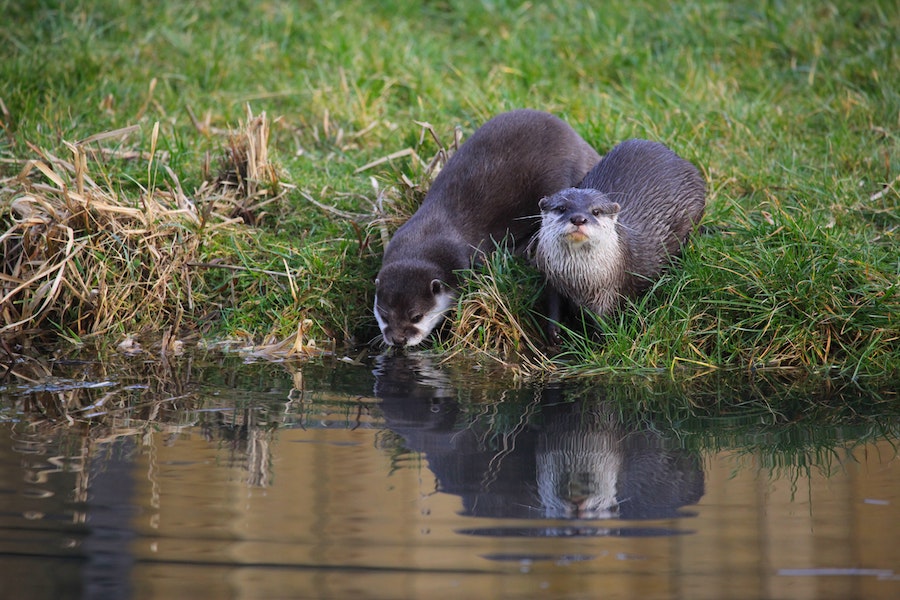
561 531
112 508
558 459
408 479
65 520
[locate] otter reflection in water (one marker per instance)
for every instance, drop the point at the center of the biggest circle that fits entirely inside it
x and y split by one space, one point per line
562 459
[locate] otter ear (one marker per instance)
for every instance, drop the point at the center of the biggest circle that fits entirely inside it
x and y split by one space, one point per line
544 203
436 286
376 282
613 210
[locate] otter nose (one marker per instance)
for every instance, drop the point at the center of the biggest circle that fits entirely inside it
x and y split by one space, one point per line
398 340
578 220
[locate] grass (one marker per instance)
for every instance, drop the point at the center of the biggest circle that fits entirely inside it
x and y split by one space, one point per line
791 111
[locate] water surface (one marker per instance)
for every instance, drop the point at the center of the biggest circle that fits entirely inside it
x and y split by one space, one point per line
402 479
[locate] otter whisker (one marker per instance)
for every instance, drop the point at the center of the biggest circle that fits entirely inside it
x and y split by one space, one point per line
627 227
377 342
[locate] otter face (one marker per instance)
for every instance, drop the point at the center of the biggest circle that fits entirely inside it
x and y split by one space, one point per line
580 247
409 303
578 216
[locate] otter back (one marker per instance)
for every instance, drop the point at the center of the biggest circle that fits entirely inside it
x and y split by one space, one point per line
662 199
488 190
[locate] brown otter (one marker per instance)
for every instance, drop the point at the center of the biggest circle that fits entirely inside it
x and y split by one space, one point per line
488 190
611 237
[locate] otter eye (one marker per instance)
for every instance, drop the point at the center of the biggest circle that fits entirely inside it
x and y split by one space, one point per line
596 212
415 319
559 209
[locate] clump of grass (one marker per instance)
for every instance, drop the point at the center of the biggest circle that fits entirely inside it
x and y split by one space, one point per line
497 316
80 258
247 178
796 291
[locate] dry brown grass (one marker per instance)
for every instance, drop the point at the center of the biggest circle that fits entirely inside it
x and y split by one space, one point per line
247 179
78 258
496 316
395 205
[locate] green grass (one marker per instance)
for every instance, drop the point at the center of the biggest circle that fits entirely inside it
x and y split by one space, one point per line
790 109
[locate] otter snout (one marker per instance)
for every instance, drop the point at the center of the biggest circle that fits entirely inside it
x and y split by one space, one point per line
401 333
397 339
404 323
399 327
578 220
578 232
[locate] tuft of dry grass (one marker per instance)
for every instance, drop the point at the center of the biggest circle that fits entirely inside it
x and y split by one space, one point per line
78 258
496 315
247 179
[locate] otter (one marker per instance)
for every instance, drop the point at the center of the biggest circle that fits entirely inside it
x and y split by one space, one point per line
487 191
610 237
578 465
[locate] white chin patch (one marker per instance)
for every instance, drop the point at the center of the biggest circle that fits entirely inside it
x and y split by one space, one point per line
430 320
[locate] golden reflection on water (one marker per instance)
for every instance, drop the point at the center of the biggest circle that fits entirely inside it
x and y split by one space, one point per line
332 512
336 520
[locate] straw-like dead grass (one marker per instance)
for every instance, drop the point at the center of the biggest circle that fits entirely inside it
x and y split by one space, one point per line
496 315
79 258
395 205
247 179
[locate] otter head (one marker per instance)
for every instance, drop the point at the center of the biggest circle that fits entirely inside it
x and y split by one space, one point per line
578 216
411 298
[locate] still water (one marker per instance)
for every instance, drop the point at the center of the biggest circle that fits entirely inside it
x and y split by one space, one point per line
400 478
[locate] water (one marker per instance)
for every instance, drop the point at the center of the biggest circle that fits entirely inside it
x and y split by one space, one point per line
403 479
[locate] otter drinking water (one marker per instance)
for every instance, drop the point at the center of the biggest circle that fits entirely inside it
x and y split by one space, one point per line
487 190
612 236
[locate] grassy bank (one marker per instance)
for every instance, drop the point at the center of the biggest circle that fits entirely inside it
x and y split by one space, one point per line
792 112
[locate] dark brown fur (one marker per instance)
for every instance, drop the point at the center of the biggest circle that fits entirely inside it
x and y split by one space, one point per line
488 189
